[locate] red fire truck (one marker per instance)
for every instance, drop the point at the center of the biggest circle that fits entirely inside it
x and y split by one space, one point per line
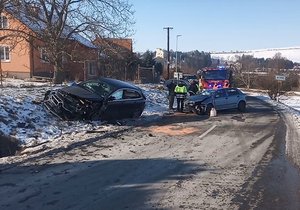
214 78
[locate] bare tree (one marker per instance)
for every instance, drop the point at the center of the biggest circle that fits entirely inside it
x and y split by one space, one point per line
116 57
3 4
243 71
55 24
276 66
277 63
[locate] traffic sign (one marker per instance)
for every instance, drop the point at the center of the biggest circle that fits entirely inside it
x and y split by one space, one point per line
280 77
178 75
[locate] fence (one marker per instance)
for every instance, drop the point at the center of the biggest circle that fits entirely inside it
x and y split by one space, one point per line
147 75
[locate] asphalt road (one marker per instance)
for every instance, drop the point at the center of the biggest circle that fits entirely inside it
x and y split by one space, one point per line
183 161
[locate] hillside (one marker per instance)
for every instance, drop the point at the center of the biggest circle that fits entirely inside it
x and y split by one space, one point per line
291 53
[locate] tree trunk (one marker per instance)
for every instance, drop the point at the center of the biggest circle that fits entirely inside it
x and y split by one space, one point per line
58 76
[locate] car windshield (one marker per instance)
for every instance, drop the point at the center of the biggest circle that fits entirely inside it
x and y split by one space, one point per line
207 92
216 74
99 87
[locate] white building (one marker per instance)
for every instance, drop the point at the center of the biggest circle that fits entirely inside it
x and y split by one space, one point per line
160 54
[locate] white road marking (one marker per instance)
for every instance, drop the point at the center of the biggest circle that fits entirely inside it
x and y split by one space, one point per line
206 132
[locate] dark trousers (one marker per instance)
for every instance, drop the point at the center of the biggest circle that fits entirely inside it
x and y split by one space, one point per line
180 104
171 101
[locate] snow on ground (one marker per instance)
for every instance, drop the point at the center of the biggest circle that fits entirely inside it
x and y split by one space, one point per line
24 119
289 102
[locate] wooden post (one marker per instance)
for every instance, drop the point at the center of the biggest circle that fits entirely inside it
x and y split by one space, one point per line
139 73
125 73
85 70
1 78
153 74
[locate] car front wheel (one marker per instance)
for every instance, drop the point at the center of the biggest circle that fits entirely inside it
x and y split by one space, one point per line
242 106
208 109
136 114
198 110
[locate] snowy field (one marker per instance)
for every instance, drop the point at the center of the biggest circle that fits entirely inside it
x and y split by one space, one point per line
290 53
22 117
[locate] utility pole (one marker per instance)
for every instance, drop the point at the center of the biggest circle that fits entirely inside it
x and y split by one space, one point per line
168 49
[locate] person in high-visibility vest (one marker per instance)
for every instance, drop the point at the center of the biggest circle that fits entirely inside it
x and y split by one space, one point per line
180 92
200 86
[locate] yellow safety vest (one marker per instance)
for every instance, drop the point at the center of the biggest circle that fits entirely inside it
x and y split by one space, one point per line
181 89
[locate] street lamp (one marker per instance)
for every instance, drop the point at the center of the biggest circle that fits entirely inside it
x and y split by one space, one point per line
176 54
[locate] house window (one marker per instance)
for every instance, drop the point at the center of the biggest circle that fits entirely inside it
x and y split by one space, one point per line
4 51
4 22
91 68
44 56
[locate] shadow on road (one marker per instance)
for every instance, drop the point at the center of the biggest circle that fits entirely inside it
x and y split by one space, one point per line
105 184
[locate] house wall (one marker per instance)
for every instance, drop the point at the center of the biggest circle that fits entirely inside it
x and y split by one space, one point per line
25 58
116 57
79 56
19 64
74 71
40 68
125 43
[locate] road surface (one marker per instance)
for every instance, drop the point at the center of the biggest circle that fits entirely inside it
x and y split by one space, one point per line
183 161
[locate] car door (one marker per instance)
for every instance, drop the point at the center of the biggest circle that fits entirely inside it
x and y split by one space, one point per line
124 103
220 99
132 103
233 98
113 105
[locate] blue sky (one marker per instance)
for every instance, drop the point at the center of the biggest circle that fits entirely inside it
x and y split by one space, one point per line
216 25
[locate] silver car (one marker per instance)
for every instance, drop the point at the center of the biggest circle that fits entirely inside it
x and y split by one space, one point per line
220 99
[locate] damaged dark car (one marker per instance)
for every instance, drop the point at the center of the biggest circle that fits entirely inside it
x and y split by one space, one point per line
100 99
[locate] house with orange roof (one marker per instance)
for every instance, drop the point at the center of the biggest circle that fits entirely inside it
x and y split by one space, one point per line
25 57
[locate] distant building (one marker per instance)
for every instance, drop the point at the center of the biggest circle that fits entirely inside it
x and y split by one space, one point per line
160 54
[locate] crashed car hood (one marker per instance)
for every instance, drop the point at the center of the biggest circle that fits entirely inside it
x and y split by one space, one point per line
198 98
82 93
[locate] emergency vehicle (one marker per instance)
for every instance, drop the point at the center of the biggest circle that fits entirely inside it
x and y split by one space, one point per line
214 78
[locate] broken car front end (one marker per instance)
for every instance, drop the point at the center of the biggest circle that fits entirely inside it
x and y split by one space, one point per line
71 107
